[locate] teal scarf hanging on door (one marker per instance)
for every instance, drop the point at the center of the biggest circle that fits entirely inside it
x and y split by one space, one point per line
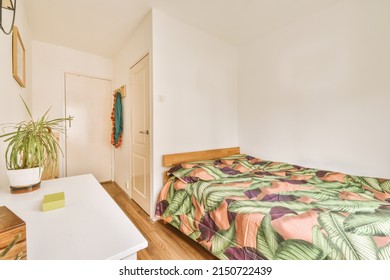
117 121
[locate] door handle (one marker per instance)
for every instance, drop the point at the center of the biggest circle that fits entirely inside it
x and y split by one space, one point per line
144 132
70 121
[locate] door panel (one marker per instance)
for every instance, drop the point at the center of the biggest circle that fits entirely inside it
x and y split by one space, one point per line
140 144
139 178
88 148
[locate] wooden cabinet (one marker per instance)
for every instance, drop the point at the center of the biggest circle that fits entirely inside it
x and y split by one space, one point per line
12 229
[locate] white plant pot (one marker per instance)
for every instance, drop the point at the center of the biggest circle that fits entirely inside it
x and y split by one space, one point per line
24 180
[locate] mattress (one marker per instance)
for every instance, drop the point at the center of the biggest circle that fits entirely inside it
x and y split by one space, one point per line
245 208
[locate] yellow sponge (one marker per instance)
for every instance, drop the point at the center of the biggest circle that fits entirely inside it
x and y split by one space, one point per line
53 201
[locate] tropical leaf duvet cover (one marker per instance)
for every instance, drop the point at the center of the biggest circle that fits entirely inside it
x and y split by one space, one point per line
241 207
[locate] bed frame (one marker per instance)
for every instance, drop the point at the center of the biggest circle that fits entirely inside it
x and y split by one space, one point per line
173 159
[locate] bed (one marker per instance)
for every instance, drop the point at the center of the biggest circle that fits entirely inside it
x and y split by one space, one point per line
241 207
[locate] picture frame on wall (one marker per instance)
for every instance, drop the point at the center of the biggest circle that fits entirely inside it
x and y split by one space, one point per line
18 58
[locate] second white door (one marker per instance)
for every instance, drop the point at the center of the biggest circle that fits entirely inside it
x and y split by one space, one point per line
140 144
88 149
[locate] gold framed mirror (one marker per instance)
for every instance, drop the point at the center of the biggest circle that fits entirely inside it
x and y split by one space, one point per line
18 58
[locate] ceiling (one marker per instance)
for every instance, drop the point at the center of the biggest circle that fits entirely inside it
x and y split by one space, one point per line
102 27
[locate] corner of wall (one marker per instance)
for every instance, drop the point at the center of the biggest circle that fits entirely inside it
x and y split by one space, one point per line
11 107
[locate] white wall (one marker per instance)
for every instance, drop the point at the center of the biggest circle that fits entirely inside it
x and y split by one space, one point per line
11 107
196 76
316 92
138 45
50 63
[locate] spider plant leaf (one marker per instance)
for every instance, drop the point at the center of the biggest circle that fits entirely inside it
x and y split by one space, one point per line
28 110
31 143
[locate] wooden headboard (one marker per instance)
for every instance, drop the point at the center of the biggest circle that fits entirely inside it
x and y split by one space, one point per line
173 159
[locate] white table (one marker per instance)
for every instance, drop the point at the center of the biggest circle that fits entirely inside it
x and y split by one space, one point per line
90 227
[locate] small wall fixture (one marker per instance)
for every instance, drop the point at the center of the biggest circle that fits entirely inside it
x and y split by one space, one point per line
10 7
121 90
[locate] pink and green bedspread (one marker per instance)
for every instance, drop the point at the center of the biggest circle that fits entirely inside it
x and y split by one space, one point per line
241 207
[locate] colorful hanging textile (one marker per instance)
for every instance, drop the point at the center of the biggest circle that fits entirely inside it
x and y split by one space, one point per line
117 121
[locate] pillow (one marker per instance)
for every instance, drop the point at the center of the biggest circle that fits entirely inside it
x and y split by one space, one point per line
208 170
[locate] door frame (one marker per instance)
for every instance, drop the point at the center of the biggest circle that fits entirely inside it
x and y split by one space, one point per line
151 161
64 147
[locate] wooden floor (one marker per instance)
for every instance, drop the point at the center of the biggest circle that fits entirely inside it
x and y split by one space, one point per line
165 242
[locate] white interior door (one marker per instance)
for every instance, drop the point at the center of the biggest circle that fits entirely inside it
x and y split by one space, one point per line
88 149
140 144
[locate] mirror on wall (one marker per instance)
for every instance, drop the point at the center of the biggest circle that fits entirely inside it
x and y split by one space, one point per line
7 15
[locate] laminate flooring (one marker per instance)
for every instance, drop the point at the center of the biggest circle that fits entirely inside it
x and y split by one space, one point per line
164 241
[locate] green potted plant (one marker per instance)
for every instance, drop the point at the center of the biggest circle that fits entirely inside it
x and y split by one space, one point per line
32 147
